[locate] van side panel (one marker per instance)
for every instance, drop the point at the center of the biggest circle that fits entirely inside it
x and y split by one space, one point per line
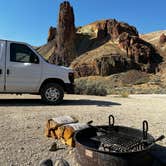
2 64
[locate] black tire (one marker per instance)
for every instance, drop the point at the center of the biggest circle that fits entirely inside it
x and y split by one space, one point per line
52 93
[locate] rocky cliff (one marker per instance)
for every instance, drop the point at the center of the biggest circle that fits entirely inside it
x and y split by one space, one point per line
109 46
101 48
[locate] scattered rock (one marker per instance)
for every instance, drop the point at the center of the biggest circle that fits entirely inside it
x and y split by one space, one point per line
61 162
47 162
54 147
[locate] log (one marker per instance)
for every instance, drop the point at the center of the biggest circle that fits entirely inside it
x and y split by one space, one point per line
54 123
68 132
70 142
63 128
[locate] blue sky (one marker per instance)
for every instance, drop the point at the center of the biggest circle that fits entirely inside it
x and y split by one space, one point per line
29 20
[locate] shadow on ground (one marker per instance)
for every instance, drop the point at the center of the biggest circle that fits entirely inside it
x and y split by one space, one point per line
38 102
159 155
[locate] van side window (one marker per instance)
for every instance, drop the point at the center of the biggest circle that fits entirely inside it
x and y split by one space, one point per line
22 53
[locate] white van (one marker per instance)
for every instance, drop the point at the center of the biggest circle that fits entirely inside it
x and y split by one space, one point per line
23 70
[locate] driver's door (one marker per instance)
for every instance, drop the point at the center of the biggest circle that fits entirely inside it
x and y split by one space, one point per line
23 69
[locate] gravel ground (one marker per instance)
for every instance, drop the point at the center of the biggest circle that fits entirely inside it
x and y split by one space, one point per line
22 120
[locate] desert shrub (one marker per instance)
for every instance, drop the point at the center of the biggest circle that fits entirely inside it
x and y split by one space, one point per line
95 89
124 94
80 86
90 87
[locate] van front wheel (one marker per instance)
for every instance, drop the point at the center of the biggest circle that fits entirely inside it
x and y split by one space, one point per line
52 93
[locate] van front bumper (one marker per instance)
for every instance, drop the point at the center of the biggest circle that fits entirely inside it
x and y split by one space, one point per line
69 88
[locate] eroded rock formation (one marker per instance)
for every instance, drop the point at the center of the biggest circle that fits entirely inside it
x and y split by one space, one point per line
114 29
102 31
140 54
162 39
104 66
129 51
51 34
65 38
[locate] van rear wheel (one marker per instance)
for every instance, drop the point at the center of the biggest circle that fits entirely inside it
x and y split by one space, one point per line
52 93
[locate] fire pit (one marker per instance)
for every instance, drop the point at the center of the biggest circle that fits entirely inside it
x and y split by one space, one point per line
114 145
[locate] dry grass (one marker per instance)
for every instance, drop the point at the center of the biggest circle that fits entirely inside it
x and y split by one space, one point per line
124 94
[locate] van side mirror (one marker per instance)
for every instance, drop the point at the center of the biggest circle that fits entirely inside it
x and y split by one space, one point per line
34 59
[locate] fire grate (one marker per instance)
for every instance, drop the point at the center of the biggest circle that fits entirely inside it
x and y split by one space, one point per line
114 145
118 142
113 140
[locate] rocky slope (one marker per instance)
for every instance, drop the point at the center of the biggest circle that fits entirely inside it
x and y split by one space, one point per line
101 48
104 47
109 46
158 40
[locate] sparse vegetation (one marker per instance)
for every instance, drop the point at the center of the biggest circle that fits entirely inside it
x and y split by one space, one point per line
122 84
124 94
90 87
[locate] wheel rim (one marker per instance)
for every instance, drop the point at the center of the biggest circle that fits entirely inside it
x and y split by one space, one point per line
52 94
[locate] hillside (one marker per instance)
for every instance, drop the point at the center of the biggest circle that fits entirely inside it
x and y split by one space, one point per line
108 48
154 39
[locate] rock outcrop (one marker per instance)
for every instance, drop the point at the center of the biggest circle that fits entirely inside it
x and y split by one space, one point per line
137 49
51 34
114 29
162 39
104 66
102 31
139 54
128 39
65 38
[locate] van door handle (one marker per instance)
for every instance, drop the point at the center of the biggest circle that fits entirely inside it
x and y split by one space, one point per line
8 71
0 71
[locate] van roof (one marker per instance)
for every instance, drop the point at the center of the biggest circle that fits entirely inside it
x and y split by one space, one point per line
13 41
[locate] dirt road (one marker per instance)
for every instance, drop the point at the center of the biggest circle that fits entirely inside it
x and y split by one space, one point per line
22 120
